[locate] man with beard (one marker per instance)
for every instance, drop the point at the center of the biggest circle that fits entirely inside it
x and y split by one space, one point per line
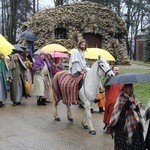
111 94
77 63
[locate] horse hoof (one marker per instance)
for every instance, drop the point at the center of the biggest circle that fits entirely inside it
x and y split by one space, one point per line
57 119
92 132
85 127
70 119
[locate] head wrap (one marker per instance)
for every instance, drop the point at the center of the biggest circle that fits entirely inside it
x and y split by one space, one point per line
39 63
12 64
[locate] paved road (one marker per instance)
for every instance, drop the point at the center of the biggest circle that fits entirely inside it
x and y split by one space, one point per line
32 127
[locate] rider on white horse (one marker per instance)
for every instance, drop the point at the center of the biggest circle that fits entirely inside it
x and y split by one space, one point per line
77 63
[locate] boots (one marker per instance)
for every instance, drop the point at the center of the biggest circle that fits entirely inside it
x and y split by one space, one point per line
101 109
39 102
1 104
43 101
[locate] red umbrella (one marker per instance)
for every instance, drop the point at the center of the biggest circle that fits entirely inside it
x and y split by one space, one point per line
59 55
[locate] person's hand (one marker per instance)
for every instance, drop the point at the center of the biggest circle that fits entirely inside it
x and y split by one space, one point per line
133 106
131 99
82 72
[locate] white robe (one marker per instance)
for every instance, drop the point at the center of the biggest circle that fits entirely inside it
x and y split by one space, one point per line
77 62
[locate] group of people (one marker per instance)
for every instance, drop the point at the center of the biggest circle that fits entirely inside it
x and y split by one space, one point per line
122 116
27 77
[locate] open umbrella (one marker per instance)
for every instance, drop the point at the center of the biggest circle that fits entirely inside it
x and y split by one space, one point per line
59 55
28 36
19 48
38 52
5 47
54 47
129 77
93 53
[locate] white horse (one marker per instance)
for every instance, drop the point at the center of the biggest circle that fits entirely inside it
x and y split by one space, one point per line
88 92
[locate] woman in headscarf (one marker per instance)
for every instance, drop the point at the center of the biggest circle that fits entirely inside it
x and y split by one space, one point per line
42 81
27 59
126 121
17 88
51 60
3 77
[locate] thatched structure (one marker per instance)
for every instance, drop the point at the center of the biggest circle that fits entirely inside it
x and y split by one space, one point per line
99 25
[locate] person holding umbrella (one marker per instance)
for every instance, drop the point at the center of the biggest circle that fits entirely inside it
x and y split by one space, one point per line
126 121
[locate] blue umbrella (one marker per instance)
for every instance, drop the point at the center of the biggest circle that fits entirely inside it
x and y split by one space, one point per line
28 36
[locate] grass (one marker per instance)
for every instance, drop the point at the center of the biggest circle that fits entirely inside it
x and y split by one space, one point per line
141 90
141 63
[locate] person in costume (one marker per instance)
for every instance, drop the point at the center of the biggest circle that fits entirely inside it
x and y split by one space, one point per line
111 94
3 79
27 59
42 82
77 63
126 121
17 77
147 119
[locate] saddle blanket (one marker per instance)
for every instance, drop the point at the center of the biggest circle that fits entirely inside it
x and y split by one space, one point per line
65 87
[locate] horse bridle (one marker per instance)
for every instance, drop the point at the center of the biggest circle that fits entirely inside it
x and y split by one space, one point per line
99 66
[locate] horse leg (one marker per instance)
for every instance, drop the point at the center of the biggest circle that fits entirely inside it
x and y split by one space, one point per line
87 106
56 113
69 114
84 121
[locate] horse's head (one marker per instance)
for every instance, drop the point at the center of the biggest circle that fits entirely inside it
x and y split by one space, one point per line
104 68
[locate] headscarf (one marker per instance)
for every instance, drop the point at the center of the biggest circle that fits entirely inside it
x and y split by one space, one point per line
12 64
39 63
23 56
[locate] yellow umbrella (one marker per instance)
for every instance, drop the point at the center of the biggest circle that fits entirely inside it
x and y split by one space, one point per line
5 47
54 47
93 53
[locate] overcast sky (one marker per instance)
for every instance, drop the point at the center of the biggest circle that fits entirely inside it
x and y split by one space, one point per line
46 4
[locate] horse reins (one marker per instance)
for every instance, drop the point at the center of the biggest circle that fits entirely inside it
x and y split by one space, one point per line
99 66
